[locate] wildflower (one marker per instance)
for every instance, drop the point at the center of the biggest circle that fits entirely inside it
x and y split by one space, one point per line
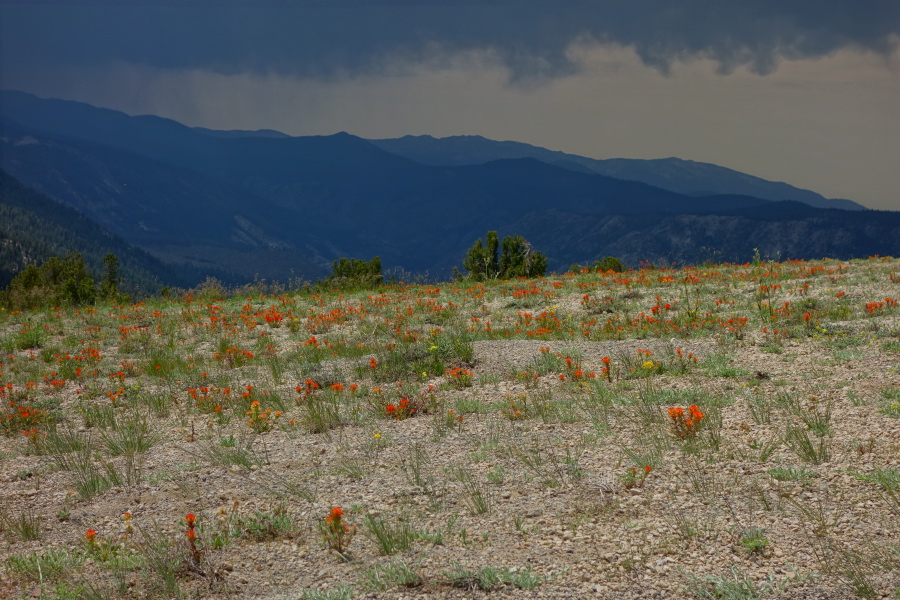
685 427
126 516
191 535
91 536
336 513
336 533
190 519
676 412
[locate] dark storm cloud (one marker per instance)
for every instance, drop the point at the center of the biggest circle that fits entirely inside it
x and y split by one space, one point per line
326 39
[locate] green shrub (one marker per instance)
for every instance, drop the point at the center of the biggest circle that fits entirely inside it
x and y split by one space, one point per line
57 282
353 273
518 259
609 263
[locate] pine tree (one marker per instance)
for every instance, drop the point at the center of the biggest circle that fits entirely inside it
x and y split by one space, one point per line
109 286
518 259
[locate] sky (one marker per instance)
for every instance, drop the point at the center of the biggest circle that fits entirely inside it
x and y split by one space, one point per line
801 91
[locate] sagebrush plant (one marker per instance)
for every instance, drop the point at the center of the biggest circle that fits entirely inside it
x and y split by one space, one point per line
379 578
459 417
489 578
50 565
736 586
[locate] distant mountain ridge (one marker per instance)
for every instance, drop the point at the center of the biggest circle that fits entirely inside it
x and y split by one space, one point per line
245 205
237 133
674 174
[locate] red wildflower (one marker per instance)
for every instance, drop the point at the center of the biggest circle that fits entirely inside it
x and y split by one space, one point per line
336 513
676 412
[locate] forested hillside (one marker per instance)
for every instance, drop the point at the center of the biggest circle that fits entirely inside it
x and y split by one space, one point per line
34 227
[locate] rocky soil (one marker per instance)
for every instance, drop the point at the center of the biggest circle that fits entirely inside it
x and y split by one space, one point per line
787 488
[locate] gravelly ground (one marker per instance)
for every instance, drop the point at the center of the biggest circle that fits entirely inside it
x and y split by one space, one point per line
555 486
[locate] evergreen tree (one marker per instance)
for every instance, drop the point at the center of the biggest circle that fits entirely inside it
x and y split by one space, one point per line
109 286
57 282
78 286
518 259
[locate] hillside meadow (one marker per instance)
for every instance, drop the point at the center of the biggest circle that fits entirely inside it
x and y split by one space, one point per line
726 431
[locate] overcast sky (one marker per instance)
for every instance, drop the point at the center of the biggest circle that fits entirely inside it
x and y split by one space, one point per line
802 91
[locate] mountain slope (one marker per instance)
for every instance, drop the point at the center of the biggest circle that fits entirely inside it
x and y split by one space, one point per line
178 215
225 157
33 227
168 140
673 174
785 230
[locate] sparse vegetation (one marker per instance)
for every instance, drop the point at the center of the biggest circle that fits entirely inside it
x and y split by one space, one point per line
591 433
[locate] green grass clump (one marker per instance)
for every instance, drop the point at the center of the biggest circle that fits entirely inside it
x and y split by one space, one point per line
388 535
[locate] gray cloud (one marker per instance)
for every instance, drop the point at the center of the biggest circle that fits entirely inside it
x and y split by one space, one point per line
343 37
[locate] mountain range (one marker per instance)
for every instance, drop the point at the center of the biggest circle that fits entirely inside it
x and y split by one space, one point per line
263 204
674 174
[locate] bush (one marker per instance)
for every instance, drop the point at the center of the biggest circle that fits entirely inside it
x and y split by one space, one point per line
518 259
56 282
353 273
609 263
